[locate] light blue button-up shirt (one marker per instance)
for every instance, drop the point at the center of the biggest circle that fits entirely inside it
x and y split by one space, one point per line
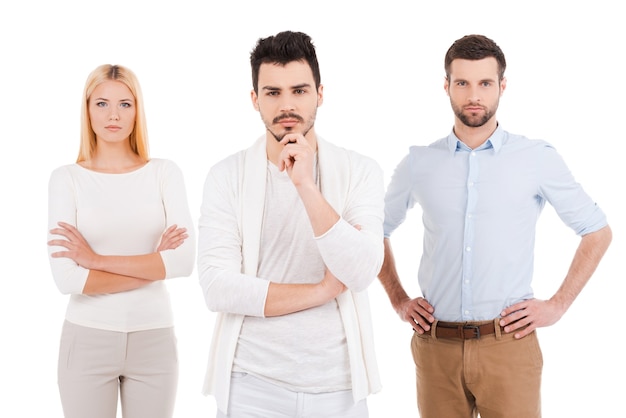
479 209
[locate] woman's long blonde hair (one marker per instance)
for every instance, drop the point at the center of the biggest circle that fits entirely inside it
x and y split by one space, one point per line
139 134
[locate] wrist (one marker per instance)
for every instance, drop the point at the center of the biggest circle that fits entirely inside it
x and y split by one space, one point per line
329 288
561 303
306 186
98 262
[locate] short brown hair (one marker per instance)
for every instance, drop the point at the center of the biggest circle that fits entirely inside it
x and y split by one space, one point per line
474 47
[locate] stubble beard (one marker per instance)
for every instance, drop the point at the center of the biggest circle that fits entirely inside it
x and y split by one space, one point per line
279 136
473 121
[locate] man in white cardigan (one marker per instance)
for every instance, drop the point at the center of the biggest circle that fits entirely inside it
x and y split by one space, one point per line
290 237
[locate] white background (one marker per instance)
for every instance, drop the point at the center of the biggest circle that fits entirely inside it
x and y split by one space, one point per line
382 67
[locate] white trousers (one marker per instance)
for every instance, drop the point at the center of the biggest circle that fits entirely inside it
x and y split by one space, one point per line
95 365
251 397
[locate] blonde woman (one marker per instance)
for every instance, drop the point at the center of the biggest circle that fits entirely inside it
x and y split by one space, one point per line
119 224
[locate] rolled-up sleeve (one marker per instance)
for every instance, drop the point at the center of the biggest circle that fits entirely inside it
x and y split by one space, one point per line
355 255
570 201
225 287
70 278
398 197
178 262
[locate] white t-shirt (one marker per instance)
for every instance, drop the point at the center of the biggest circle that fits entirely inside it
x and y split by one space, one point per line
305 351
120 214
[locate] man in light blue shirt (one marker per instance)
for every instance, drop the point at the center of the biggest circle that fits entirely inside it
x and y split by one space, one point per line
481 190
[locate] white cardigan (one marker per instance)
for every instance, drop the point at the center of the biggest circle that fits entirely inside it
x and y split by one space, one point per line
228 249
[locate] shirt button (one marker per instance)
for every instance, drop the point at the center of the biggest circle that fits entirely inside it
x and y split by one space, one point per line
468 248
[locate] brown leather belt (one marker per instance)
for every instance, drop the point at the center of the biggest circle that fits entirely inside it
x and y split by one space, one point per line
463 331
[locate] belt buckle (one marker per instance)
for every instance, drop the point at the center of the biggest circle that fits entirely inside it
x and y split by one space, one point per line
474 328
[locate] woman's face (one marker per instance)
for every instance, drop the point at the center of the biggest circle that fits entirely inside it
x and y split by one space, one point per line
112 112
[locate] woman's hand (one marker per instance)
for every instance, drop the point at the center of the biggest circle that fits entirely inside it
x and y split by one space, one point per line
76 246
172 238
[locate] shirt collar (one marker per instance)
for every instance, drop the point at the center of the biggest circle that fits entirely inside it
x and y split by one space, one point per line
494 141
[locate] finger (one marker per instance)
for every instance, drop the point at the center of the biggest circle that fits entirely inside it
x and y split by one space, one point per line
169 229
424 314
514 324
171 236
60 254
425 321
177 242
524 332
514 308
424 304
69 232
294 138
288 151
180 235
513 317
288 162
175 235
167 234
417 326
60 243
172 244
71 228
60 231
281 165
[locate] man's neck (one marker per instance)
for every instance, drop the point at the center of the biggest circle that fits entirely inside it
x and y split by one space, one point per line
474 137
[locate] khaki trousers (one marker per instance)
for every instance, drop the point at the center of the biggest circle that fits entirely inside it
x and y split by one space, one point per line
495 376
95 365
